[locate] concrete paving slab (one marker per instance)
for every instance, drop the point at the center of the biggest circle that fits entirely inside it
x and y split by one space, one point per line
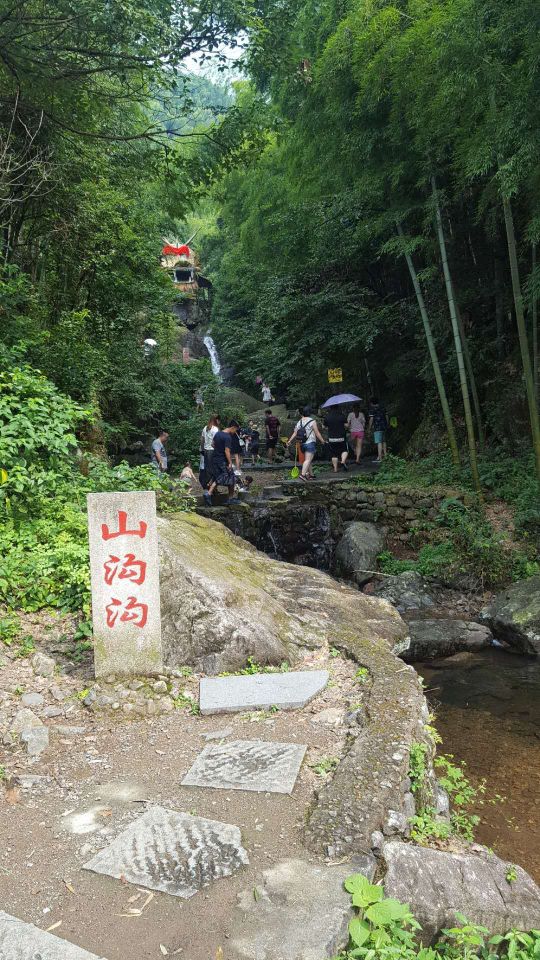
172 852
288 691
301 912
257 765
23 941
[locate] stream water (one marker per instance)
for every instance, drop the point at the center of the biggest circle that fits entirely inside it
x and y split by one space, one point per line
488 714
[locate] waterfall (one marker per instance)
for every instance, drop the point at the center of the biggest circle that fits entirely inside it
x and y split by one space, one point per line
214 356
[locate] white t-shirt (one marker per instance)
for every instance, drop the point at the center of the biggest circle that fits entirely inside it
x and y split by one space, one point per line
309 425
266 394
356 424
208 435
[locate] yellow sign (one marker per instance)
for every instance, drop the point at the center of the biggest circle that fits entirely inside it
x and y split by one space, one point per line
335 375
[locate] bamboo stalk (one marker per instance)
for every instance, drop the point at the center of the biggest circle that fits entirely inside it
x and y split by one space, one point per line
471 376
432 353
457 341
535 329
522 330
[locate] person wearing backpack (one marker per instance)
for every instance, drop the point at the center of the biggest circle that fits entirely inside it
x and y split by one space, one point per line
378 422
307 432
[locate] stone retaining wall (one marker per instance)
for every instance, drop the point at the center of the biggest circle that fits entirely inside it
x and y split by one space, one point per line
397 507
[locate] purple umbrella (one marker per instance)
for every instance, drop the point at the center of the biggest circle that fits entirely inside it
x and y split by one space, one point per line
341 398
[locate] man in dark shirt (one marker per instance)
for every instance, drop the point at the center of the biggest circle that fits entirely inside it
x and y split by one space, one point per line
337 438
222 468
272 425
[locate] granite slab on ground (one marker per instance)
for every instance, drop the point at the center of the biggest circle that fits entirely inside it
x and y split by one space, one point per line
23 941
260 690
172 852
247 765
301 912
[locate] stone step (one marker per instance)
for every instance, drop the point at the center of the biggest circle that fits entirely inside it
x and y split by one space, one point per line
287 691
273 492
176 853
22 941
258 765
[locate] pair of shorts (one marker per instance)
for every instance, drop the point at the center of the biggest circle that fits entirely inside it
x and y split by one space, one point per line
309 447
357 435
271 443
222 474
338 447
378 436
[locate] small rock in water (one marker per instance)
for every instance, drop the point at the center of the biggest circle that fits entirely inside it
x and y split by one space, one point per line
32 700
43 666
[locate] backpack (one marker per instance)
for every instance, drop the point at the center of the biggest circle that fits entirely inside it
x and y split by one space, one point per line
301 433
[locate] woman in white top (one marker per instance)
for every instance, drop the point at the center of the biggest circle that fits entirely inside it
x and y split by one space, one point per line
207 448
307 430
356 423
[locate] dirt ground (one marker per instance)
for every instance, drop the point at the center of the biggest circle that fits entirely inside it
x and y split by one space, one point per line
100 778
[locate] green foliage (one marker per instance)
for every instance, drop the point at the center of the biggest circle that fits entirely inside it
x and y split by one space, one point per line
181 702
43 537
426 825
362 675
385 929
325 766
460 543
253 667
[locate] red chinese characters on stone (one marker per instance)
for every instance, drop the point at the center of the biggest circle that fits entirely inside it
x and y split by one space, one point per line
129 612
122 528
127 569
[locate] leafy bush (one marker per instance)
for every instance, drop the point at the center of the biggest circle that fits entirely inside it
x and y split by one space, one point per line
462 543
385 929
43 537
512 479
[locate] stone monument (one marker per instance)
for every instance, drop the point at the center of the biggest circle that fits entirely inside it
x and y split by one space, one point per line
124 569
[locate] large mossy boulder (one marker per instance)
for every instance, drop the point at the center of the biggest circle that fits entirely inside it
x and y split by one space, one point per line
223 601
357 551
514 616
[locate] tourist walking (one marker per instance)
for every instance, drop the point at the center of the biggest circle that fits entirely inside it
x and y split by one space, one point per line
272 425
356 422
222 464
254 441
378 422
337 438
160 460
307 433
199 399
266 393
207 446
